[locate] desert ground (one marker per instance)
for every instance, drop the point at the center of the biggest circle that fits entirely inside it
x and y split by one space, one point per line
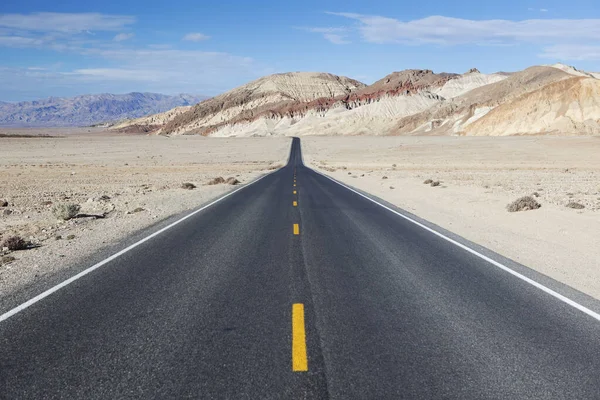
478 177
131 181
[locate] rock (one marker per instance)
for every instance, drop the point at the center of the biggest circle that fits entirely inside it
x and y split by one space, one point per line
3 203
7 212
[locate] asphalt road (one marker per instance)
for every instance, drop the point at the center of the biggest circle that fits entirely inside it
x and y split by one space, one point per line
390 311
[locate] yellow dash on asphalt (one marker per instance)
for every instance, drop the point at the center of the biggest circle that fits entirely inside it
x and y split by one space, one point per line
294 192
296 229
294 185
299 359
295 203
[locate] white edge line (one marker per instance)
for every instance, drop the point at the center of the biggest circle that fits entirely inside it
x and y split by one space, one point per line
476 253
94 267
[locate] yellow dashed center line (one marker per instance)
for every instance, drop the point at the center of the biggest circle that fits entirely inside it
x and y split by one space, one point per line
296 229
299 359
295 203
294 192
294 185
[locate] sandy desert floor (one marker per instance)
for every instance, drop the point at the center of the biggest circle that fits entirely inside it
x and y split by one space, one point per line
140 178
479 176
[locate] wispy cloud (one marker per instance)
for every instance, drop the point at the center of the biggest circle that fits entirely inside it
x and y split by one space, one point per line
452 31
65 22
130 69
123 36
335 38
113 63
335 35
196 37
571 52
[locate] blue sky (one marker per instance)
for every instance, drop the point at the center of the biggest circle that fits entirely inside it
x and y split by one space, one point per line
75 47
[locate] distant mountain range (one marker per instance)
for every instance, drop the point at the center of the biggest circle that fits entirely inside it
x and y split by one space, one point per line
90 109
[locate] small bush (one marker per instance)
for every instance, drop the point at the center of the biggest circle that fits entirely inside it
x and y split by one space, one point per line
7 260
217 181
188 186
535 194
428 181
66 211
232 181
384 177
435 183
70 237
138 209
15 243
3 203
274 167
576 206
523 204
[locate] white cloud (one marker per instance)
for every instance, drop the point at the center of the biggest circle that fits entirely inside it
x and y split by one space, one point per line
335 38
335 35
127 69
123 36
571 52
167 70
196 37
20 41
451 31
65 22
111 63
543 10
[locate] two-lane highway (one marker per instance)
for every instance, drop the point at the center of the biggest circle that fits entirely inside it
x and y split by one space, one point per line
297 287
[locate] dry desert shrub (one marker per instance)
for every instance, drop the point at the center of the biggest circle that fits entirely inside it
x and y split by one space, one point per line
523 204
232 181
7 260
428 181
15 243
435 183
216 181
274 167
188 186
575 205
66 211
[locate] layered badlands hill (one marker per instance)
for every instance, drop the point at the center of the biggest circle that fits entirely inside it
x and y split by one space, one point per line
259 98
545 99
